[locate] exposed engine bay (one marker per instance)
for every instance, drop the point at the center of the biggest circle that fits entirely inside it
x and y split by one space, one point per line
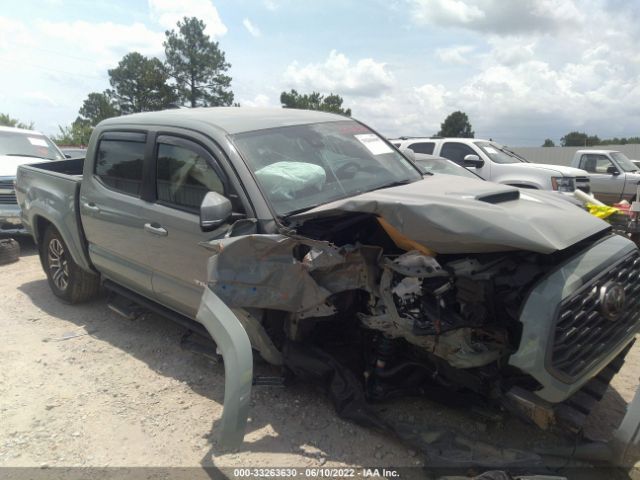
398 316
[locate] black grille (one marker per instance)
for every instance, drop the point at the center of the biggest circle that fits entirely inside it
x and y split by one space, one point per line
583 183
583 335
8 198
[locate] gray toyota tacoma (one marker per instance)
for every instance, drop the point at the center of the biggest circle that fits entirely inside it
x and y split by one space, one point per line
307 238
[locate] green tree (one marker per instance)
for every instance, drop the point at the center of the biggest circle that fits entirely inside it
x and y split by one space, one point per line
579 139
619 141
77 133
548 143
140 85
314 101
97 107
7 121
456 125
197 65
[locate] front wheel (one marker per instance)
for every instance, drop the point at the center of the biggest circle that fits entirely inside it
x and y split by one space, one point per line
66 279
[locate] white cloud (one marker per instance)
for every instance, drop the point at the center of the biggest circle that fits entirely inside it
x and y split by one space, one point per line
103 44
445 12
260 100
339 75
52 71
271 5
498 16
40 99
251 28
168 12
456 54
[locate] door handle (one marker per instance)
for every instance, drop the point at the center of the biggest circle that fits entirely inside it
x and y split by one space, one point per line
92 207
156 229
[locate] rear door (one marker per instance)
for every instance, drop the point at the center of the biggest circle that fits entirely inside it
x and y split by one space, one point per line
111 209
606 187
185 170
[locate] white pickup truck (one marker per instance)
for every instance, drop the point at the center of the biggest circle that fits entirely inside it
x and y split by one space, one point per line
498 164
613 176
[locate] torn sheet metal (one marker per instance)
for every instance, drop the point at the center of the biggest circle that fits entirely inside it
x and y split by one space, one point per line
261 271
458 218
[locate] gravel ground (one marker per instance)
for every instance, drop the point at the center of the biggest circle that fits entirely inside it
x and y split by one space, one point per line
83 387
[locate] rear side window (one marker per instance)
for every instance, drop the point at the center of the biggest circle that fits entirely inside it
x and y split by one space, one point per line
184 177
119 165
456 152
423 147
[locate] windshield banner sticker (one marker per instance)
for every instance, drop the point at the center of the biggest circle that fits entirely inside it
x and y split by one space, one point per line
490 150
373 143
37 142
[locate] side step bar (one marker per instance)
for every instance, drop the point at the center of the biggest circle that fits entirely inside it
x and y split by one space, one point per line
154 307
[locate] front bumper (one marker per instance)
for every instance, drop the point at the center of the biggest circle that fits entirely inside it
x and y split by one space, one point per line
542 308
10 220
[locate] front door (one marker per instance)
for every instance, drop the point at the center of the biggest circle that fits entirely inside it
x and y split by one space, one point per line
185 172
606 186
456 151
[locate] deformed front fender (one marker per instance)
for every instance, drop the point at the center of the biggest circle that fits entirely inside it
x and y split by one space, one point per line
234 345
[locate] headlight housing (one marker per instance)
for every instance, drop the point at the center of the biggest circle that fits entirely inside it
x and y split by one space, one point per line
563 184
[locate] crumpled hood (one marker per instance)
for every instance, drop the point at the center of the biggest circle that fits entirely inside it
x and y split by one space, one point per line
9 164
558 170
454 216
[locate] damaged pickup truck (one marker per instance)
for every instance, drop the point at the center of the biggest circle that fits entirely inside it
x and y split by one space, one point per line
307 238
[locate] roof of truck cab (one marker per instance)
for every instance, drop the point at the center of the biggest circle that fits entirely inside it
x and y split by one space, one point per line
230 119
597 151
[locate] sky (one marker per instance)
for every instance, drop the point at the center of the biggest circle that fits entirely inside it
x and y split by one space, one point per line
522 70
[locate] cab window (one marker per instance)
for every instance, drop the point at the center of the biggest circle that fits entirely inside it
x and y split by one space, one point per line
456 152
119 162
184 174
593 163
423 147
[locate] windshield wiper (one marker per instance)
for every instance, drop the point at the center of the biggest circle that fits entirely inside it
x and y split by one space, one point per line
514 154
393 184
25 155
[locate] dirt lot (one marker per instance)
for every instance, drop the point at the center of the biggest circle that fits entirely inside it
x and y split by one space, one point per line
125 394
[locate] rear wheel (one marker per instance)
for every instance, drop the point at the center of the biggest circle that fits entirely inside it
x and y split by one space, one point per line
67 280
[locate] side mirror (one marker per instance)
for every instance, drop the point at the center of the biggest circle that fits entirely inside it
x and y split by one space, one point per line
410 154
613 170
473 161
214 211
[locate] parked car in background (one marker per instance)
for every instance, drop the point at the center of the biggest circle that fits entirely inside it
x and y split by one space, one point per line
496 163
430 164
18 147
74 152
433 164
613 176
332 255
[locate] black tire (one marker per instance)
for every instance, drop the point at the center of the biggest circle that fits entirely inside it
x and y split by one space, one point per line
9 251
67 280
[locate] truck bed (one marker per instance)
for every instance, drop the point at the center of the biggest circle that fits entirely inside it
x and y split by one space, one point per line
47 193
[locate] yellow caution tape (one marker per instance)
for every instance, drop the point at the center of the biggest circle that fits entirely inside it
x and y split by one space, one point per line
601 211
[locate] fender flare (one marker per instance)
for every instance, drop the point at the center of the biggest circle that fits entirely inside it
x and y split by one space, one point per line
233 343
